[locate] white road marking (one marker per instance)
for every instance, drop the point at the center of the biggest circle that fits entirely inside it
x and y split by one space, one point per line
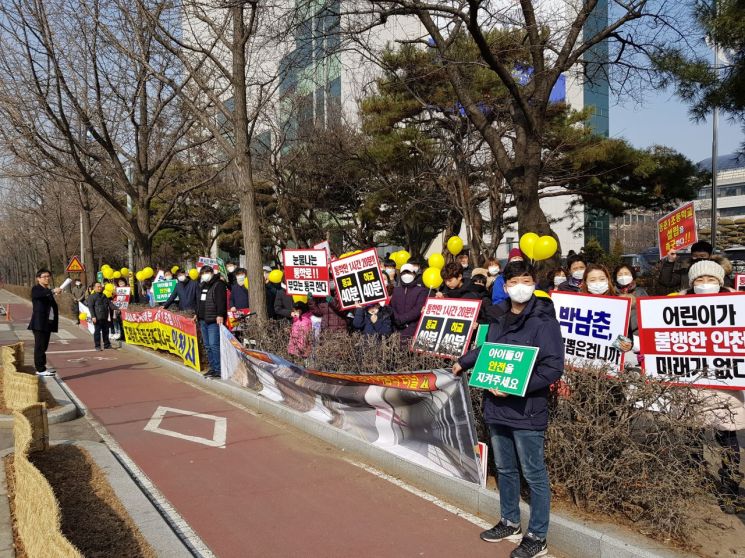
70 351
219 435
60 342
64 334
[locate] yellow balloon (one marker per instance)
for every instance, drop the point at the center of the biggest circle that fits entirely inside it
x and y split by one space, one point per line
432 278
140 276
404 256
108 294
275 276
397 258
83 316
124 271
108 273
437 261
674 294
455 245
117 275
104 267
541 293
149 272
300 298
174 269
544 248
527 243
193 274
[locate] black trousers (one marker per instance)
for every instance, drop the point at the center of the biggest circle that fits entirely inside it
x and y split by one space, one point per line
41 344
101 329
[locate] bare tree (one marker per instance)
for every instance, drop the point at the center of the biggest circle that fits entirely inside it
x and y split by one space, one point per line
80 101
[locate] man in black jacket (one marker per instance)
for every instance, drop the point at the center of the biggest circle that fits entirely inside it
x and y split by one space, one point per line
44 320
212 311
674 274
100 306
186 291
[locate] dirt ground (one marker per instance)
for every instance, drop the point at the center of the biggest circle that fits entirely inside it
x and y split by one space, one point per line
93 518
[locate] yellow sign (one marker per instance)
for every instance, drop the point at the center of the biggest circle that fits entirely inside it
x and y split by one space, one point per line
163 330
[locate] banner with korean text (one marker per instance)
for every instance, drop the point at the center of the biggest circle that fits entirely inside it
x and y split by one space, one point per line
591 326
697 339
121 297
162 330
423 417
446 326
677 229
306 272
358 279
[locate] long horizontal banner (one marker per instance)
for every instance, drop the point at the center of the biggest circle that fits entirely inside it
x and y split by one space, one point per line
160 329
423 417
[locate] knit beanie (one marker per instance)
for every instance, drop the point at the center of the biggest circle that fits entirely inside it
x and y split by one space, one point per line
515 253
705 267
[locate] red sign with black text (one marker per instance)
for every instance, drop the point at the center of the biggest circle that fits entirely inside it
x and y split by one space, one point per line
306 272
677 230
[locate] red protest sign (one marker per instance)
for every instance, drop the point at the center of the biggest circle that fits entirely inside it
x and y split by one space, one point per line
740 281
306 272
359 280
677 230
695 340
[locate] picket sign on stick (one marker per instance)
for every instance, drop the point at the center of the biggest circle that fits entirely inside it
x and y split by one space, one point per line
590 327
306 272
446 326
677 229
696 340
359 280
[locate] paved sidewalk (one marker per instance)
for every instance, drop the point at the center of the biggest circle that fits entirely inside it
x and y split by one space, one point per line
246 486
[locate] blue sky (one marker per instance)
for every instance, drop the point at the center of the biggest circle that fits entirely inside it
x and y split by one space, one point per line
663 119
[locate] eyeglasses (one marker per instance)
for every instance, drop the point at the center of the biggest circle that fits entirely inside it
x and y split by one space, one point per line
45 276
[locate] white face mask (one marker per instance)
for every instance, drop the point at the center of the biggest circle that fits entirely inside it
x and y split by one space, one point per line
168 277
598 288
624 280
559 279
407 278
493 270
206 277
78 283
182 278
240 278
464 265
579 274
706 288
231 268
520 293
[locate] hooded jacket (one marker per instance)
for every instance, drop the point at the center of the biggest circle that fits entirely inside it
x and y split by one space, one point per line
299 344
333 318
212 301
187 293
535 326
407 302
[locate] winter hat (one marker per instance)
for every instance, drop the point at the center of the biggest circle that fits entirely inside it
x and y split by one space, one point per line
479 271
705 267
480 277
267 268
515 253
408 268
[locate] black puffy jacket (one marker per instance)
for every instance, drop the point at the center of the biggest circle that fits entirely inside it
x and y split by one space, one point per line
212 301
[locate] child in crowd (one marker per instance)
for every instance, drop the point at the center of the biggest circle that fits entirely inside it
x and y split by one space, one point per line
375 320
300 344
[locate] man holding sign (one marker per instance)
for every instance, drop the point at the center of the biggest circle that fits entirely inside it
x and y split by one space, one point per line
524 355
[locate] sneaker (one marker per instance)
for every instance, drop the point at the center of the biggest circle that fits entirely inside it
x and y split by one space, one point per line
530 547
501 531
107 347
213 374
47 372
99 349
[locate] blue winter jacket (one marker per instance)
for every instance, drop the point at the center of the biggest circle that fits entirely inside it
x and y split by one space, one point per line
382 326
536 326
238 296
187 294
498 294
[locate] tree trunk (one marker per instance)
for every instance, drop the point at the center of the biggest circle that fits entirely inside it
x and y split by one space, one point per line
242 170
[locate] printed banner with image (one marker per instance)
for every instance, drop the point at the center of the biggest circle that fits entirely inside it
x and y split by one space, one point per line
590 327
358 279
163 330
306 272
446 326
423 417
677 229
697 340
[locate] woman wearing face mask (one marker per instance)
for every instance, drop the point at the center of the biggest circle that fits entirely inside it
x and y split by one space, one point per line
492 268
407 302
555 278
576 265
517 424
724 409
597 281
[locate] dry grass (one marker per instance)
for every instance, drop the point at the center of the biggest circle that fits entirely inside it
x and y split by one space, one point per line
93 518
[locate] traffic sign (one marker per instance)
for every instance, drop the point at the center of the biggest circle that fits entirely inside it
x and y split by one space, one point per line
75 266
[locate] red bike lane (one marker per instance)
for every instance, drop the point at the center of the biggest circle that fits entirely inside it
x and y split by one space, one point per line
249 487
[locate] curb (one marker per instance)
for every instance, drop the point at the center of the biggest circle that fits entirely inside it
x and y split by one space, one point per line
573 537
64 412
148 520
7 548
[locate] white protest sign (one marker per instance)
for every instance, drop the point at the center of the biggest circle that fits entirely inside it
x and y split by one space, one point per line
590 325
306 272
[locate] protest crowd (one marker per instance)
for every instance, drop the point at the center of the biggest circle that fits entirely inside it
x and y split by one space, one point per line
578 314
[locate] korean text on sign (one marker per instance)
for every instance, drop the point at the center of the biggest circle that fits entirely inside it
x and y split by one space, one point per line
506 368
677 230
306 272
590 325
697 340
446 326
359 280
